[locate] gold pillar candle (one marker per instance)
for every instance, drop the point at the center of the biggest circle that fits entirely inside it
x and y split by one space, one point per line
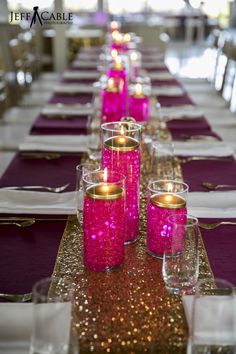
168 201
105 191
121 143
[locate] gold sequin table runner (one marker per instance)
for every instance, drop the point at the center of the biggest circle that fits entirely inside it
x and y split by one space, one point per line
127 310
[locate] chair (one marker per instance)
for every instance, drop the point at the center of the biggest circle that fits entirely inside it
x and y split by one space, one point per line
230 71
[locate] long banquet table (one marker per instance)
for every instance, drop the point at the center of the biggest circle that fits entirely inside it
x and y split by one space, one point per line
128 310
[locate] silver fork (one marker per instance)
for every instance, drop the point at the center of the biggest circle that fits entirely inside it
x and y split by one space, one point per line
213 225
47 188
199 158
24 223
16 297
213 186
198 137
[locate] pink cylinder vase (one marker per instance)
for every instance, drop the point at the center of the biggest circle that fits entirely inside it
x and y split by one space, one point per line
135 64
165 198
121 153
112 104
139 108
103 222
120 77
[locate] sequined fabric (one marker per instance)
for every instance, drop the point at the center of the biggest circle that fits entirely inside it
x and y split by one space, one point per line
128 310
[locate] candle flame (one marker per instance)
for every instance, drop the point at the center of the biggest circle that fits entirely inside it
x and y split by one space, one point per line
105 174
118 60
168 198
114 53
118 63
127 37
170 187
134 56
114 25
111 83
117 37
122 130
138 89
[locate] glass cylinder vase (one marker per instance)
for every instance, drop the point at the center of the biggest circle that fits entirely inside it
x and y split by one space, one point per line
104 220
164 199
121 153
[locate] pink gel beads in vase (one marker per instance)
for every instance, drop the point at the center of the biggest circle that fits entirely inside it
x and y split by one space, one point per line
160 206
139 105
104 214
121 153
112 102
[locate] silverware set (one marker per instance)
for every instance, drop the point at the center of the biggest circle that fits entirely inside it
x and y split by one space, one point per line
24 221
46 155
16 297
214 225
198 137
203 158
212 186
47 188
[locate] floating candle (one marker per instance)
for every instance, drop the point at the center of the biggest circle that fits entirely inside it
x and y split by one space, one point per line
127 38
138 91
121 143
118 64
114 25
105 191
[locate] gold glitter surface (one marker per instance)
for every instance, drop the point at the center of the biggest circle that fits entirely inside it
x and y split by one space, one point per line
128 310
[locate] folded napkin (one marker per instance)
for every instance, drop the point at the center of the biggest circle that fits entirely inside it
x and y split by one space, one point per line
213 323
180 112
77 75
56 143
212 204
154 65
202 148
16 321
60 110
31 202
167 91
153 56
75 89
84 64
162 75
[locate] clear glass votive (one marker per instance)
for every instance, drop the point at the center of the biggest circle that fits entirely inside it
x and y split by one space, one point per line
81 170
121 153
53 328
181 260
104 220
211 317
162 163
164 198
